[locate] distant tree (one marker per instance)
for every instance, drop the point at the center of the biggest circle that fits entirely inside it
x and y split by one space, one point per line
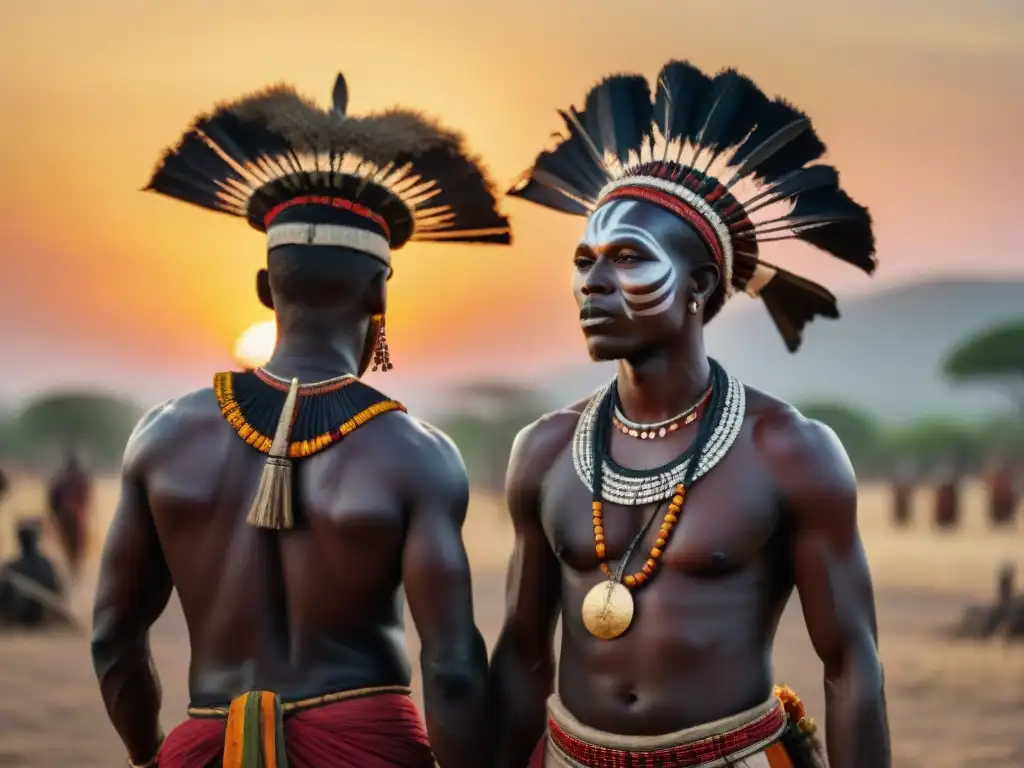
95 423
8 436
995 355
1001 436
860 434
486 419
933 441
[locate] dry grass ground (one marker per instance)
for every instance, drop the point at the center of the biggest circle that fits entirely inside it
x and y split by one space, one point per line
951 705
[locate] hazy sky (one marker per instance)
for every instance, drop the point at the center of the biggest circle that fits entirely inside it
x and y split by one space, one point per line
920 109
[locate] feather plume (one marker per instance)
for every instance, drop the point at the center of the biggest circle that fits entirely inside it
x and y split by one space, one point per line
793 302
339 96
681 88
829 219
733 104
618 115
793 184
251 154
778 145
550 196
768 141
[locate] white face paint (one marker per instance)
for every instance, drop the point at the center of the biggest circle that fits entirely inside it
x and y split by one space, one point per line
648 287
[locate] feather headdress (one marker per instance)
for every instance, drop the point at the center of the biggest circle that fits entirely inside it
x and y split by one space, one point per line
663 150
307 176
310 176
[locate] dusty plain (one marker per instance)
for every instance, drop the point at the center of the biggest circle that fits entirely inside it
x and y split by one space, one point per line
952 704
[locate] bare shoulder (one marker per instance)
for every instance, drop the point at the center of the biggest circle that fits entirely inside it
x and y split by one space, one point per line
165 425
804 457
418 455
537 446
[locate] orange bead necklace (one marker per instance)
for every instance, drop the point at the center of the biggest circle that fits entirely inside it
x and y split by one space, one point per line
654 554
609 606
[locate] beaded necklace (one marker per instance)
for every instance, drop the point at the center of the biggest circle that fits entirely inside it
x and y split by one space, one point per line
661 428
609 606
326 411
631 487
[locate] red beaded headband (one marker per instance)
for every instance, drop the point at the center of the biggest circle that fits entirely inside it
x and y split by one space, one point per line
693 207
333 202
673 204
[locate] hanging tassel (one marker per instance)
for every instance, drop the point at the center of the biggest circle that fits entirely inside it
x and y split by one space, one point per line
254 737
272 507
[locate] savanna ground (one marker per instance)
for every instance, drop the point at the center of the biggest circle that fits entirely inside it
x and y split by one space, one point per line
951 704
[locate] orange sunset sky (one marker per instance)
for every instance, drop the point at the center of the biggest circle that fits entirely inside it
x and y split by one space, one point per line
920 107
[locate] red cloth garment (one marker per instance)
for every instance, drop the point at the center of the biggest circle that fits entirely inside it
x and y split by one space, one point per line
196 743
537 758
383 731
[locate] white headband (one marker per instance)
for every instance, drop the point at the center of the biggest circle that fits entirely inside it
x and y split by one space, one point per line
337 235
694 201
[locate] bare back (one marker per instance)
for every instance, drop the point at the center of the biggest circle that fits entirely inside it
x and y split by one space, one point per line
300 612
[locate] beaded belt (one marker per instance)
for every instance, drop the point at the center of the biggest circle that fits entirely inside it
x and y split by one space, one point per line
290 707
735 743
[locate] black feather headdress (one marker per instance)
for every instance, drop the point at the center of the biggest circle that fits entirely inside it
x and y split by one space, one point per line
305 175
672 150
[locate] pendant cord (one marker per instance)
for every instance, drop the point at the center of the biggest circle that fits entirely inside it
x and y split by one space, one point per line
621 569
601 446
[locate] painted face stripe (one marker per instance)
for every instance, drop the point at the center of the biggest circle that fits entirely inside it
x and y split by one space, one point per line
651 287
657 292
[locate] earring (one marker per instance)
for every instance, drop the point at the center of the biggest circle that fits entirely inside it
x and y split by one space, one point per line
693 307
381 353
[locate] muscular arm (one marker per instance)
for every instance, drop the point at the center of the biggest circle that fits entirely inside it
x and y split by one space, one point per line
435 571
523 664
831 572
134 587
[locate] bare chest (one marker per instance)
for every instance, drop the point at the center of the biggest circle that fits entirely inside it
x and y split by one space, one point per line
725 522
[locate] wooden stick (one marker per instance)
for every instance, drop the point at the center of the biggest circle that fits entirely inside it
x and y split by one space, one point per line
51 600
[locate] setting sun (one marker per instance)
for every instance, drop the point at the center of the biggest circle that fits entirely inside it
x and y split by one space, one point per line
256 344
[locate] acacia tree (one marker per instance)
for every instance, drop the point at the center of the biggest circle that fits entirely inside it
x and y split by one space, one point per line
96 423
860 434
995 356
487 418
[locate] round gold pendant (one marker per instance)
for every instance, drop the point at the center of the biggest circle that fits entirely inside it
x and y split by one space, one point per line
608 610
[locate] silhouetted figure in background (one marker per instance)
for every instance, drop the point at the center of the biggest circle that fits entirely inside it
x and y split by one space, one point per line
69 495
1002 492
947 496
5 487
1014 624
984 620
20 605
904 481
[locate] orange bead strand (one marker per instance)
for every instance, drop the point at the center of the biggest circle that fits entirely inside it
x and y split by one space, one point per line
664 532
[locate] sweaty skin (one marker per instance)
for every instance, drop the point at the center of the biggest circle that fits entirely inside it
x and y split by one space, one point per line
302 612
778 512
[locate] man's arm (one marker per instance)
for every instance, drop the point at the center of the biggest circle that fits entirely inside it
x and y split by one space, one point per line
134 587
831 572
523 663
435 571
